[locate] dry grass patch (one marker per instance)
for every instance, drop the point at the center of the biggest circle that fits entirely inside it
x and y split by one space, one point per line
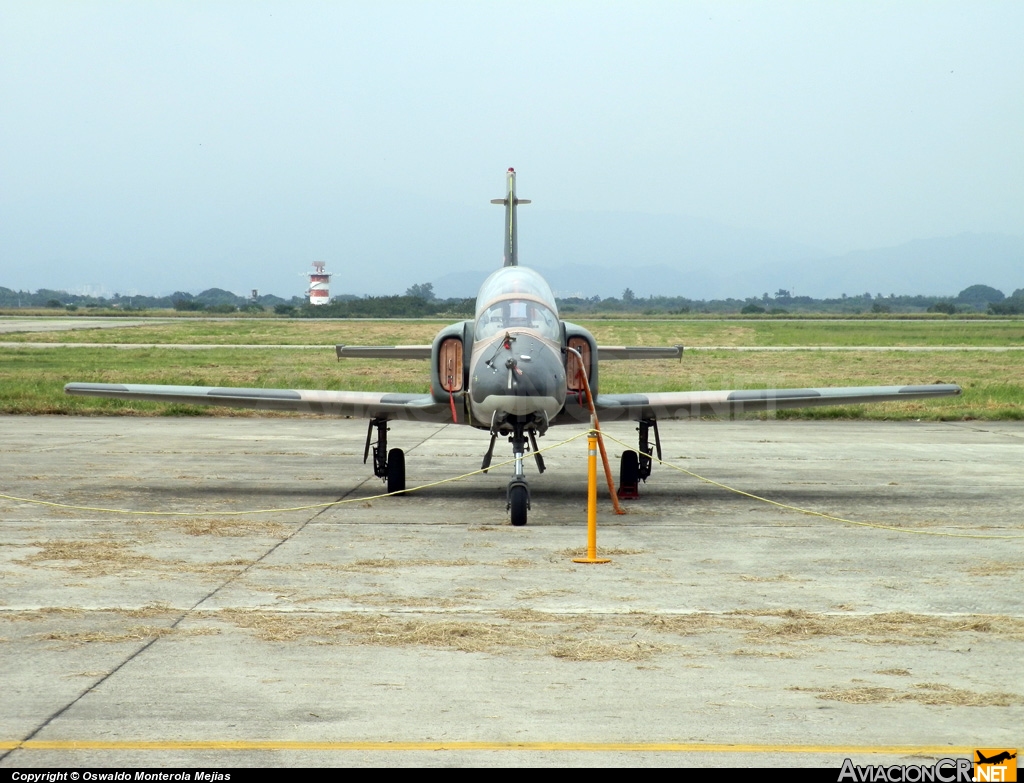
92 557
387 562
686 624
134 634
110 626
525 616
776 578
609 551
633 651
95 558
233 527
32 615
407 601
215 568
930 693
772 627
760 653
117 635
459 635
889 628
151 611
995 568
584 637
515 630
517 562
281 627
453 634
532 594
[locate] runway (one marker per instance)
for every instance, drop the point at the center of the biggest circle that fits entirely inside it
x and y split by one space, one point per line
287 616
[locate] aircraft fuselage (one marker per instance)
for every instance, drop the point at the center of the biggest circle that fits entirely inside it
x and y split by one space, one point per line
517 367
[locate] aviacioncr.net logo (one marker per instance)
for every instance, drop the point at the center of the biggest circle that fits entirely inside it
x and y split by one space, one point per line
942 771
995 764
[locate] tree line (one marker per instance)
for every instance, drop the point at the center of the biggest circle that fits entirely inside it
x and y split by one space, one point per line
419 301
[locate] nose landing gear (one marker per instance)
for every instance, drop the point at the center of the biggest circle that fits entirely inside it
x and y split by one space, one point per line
518 490
523 437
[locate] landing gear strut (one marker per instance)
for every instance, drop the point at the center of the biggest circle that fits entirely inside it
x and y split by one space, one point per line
518 490
522 434
388 465
635 466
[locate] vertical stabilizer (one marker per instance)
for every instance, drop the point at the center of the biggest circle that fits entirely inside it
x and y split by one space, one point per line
511 202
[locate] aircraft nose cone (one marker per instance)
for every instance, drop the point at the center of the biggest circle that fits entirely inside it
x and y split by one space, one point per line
520 376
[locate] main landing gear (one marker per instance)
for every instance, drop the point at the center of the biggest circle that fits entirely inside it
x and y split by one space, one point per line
388 465
635 466
518 495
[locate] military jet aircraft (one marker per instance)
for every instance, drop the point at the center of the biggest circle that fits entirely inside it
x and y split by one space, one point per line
514 370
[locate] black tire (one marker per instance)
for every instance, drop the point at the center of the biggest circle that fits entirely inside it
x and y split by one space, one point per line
518 501
396 470
629 469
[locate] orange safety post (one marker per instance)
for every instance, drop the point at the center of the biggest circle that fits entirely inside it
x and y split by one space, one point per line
591 504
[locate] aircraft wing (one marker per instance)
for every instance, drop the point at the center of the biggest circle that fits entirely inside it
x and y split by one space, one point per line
683 405
367 405
423 352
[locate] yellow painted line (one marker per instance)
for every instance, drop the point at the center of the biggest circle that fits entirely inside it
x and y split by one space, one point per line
617 747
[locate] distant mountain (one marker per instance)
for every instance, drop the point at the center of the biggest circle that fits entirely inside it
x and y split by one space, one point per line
657 255
941 265
380 242
651 254
603 253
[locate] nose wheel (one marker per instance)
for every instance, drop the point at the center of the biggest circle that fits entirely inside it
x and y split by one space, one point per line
518 490
518 502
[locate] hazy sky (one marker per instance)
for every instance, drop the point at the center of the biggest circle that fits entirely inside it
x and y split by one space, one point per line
159 145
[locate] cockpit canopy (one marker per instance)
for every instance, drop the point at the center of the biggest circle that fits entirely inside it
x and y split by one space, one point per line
515 297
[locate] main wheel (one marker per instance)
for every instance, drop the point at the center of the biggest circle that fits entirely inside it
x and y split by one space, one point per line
518 500
396 470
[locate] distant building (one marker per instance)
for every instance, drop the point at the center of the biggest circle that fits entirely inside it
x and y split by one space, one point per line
319 282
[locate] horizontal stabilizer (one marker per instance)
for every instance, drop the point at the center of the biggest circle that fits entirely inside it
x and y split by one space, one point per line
382 351
639 352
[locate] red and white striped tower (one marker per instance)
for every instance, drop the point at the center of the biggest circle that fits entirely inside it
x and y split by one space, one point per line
318 285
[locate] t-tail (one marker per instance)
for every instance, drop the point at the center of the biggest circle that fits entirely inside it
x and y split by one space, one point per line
511 202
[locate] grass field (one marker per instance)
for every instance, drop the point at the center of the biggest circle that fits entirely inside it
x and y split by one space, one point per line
32 379
767 332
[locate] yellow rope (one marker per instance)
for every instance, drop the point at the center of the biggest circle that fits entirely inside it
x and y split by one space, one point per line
363 499
360 499
805 510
